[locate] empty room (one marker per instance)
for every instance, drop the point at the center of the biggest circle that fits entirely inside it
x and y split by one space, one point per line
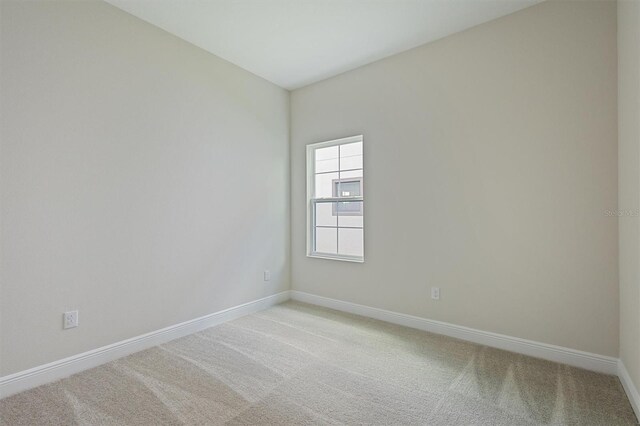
319 212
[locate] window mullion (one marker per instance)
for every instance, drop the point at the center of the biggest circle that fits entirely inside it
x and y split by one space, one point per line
336 199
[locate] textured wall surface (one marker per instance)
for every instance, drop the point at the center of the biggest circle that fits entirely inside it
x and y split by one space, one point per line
490 165
144 181
629 183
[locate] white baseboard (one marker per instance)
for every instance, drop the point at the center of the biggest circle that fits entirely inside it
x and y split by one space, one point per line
586 360
629 388
56 370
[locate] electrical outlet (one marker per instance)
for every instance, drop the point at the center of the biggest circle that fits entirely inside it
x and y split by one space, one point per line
267 275
70 319
435 293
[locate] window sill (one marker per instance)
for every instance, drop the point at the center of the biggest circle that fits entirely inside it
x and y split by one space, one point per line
353 259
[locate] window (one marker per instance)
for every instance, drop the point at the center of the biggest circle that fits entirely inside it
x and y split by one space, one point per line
335 195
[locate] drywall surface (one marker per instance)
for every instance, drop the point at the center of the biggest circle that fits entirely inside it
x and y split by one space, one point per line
490 171
629 183
144 181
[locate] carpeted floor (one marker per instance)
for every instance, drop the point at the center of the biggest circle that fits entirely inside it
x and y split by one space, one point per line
300 364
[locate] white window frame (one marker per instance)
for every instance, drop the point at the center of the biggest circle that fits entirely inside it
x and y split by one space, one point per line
311 200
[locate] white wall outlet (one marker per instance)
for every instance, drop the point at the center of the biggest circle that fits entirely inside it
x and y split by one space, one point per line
267 275
70 319
435 293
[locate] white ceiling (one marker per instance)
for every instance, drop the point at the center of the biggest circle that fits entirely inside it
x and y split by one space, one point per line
293 43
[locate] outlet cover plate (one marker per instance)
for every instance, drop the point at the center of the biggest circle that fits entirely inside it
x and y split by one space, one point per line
70 319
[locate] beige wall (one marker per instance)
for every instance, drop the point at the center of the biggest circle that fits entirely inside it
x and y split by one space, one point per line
629 183
490 160
143 181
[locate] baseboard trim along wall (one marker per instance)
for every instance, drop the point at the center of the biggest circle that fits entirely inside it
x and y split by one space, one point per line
586 360
60 369
629 388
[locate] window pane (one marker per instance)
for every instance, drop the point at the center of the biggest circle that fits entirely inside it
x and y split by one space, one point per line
351 174
346 208
327 240
324 184
325 214
348 188
350 213
351 242
326 159
351 156
351 149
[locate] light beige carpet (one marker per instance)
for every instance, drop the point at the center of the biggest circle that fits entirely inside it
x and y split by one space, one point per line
300 364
